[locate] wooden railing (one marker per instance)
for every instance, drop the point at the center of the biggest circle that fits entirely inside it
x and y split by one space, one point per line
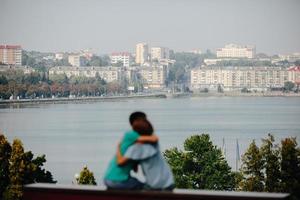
75 192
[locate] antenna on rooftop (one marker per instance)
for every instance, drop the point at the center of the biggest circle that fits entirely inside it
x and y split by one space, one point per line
224 148
237 160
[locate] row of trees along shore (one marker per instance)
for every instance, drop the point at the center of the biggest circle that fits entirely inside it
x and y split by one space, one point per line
37 84
201 165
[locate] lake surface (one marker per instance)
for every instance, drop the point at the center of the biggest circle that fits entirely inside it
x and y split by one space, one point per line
77 134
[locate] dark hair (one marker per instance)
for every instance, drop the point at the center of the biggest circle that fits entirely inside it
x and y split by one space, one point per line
136 115
143 127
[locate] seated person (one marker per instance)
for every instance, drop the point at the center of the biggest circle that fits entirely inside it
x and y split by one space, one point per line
157 172
117 175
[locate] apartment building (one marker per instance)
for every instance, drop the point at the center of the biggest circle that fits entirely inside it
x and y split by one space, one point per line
231 78
76 60
158 53
11 54
141 53
24 69
290 57
236 51
294 74
123 57
109 74
154 77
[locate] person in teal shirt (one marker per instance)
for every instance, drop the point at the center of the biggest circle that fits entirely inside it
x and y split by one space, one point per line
117 175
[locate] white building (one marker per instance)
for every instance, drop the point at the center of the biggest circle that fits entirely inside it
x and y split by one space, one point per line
24 69
158 53
109 74
141 53
236 51
154 77
123 57
214 61
230 78
59 56
290 57
196 51
75 60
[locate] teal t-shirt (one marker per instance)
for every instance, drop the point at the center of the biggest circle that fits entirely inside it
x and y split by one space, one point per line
121 173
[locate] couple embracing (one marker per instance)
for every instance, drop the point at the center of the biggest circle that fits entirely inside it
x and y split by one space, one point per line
139 147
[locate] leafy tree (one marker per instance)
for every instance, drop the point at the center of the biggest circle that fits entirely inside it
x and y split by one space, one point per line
297 63
86 177
95 61
59 78
200 166
105 60
38 174
3 80
5 152
245 90
243 62
252 169
4 94
113 87
118 64
19 168
205 90
271 164
290 166
288 86
220 89
62 62
32 78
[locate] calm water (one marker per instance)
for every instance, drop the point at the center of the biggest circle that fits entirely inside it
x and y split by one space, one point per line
78 134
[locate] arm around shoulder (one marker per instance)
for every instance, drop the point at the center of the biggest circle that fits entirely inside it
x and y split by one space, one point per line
147 139
121 160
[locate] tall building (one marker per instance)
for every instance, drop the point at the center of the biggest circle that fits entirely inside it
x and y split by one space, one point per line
123 57
158 53
11 54
75 60
236 51
141 53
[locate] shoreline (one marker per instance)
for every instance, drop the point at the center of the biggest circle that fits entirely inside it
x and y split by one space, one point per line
234 94
78 99
146 96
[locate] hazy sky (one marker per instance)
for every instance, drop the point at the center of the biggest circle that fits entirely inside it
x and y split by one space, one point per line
117 25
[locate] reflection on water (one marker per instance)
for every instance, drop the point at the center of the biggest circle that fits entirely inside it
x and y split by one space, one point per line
76 134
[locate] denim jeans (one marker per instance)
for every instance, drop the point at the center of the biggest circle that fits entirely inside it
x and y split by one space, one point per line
130 184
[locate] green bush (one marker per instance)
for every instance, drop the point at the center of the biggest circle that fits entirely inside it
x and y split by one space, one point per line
86 177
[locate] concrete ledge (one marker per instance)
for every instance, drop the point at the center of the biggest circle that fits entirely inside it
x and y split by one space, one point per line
75 192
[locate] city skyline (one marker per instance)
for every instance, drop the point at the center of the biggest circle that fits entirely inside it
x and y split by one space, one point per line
109 26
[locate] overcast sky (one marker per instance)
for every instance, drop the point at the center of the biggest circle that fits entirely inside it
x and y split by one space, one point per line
117 25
